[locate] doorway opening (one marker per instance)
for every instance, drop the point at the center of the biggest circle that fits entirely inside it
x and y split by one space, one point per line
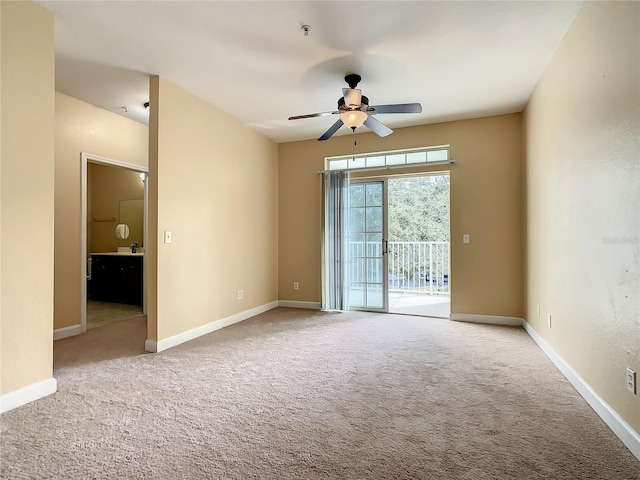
399 248
114 229
419 245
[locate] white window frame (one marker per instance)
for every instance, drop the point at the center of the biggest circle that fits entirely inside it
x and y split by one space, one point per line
390 159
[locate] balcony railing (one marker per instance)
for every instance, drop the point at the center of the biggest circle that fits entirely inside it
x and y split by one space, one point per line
417 267
421 267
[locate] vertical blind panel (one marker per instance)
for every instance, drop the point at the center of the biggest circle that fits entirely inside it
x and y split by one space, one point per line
335 254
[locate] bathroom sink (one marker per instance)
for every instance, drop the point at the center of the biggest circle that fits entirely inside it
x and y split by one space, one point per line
120 254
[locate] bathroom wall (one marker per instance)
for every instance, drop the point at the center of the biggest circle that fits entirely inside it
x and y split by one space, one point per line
107 186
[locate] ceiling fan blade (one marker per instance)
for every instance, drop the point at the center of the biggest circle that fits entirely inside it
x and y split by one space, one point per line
311 115
397 108
377 126
334 128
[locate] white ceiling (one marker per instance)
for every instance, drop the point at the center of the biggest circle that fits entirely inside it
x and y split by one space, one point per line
251 59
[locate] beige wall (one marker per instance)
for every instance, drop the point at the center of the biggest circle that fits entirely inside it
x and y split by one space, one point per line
486 202
81 127
214 184
583 196
106 187
26 212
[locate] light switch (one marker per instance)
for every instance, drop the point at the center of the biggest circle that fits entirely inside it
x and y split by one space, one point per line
465 238
167 236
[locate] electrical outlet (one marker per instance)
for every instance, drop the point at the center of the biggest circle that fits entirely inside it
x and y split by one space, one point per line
168 236
549 320
631 381
240 294
465 238
296 286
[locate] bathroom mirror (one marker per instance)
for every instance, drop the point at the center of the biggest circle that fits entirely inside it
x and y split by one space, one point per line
132 214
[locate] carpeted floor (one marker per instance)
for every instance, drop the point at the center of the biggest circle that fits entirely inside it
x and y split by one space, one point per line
294 394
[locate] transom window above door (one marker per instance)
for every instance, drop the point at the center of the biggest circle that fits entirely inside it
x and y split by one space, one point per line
389 159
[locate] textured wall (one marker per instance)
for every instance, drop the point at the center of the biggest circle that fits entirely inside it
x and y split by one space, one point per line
214 184
27 190
583 198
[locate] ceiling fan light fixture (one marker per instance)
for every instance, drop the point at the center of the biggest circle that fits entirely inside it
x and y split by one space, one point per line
354 111
353 118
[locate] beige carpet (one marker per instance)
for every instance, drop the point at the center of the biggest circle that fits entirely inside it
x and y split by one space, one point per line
295 394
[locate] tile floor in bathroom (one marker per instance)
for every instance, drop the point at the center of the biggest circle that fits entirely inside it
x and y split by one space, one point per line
105 313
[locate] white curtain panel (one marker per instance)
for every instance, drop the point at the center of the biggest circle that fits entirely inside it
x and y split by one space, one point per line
335 241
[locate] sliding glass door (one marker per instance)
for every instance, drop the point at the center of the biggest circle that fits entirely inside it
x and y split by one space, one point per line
367 246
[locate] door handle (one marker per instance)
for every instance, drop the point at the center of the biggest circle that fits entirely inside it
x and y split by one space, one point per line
385 247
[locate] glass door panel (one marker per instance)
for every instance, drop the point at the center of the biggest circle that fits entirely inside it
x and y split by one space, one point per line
367 228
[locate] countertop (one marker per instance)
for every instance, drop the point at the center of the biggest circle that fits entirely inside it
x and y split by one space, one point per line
119 254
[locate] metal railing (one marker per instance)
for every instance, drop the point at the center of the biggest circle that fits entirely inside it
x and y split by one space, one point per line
419 267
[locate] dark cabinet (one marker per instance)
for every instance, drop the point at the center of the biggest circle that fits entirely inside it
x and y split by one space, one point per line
117 278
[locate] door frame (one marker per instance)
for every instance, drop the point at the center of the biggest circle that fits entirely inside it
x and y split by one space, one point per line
85 159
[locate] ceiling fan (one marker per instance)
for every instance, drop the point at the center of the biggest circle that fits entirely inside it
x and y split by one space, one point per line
355 111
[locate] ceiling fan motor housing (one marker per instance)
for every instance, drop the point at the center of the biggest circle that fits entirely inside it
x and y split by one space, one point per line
344 105
353 79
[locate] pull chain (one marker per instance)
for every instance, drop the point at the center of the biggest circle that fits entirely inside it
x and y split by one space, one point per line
353 149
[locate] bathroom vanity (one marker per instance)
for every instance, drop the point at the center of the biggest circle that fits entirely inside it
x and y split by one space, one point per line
117 277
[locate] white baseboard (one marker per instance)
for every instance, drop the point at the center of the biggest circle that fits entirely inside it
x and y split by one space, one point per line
490 319
27 394
154 346
299 304
64 332
616 423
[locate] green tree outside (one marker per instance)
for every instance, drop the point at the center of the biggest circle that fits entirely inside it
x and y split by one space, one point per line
419 209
